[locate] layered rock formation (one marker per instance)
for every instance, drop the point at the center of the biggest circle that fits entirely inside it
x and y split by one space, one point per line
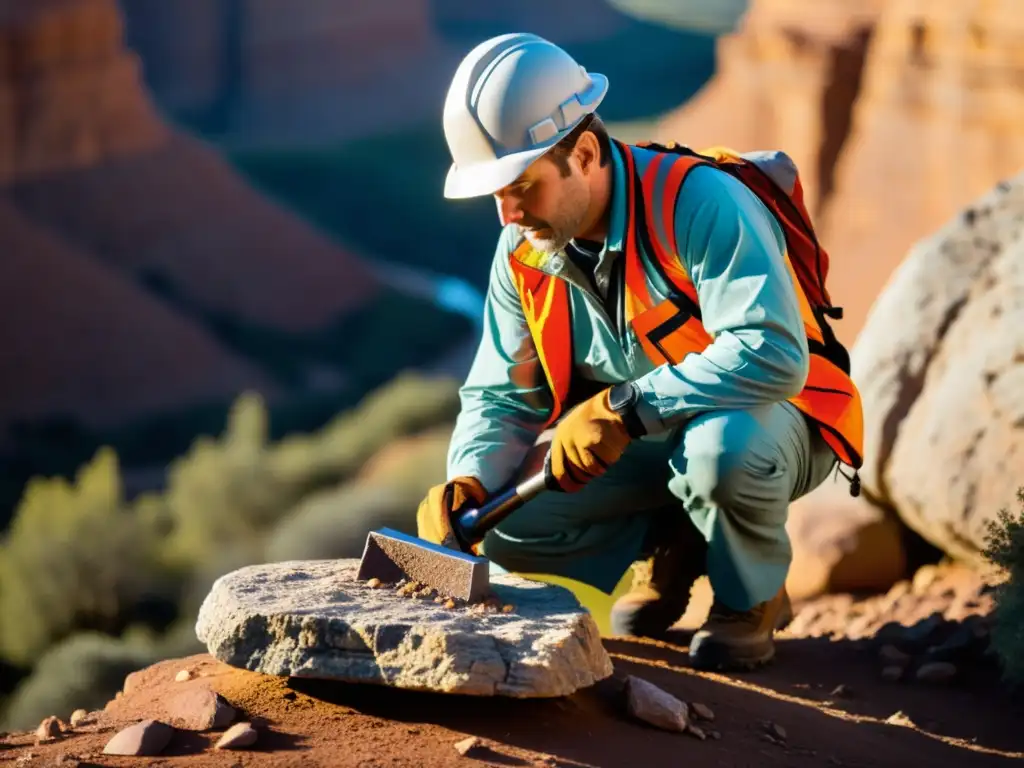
787 78
936 124
179 266
69 93
898 114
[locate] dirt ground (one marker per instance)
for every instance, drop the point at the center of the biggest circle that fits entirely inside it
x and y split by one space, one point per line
825 689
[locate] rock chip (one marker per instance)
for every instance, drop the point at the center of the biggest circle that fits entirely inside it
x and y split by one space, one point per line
48 729
466 746
646 701
702 711
314 619
198 709
145 738
238 736
79 717
183 675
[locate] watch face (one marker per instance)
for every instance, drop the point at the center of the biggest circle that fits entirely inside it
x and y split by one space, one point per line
621 396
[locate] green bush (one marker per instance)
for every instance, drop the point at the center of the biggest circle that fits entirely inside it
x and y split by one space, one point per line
225 494
84 671
77 557
1006 549
334 523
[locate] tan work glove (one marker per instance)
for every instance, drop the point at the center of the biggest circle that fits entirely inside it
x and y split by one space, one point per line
433 518
586 442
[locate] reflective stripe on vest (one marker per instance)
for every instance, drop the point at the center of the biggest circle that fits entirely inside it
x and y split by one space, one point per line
672 329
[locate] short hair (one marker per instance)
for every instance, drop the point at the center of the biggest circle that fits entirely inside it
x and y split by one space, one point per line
559 153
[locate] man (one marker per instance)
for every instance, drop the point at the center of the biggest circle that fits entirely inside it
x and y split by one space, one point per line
645 317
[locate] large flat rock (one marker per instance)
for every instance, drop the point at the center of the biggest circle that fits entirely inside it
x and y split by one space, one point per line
315 619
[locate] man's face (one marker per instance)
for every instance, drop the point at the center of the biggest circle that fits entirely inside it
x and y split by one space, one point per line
549 207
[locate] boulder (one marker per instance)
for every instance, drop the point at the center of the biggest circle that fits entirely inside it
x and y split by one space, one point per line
939 366
315 619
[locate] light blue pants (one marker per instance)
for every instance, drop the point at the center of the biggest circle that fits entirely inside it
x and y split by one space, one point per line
733 472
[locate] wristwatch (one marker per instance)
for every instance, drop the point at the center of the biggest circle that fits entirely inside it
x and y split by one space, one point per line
623 399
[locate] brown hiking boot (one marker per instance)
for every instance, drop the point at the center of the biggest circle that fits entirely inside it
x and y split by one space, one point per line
661 584
740 640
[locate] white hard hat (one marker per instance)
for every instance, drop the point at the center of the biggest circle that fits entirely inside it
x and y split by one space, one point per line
512 98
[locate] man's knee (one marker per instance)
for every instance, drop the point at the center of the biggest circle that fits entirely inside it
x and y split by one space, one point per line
727 460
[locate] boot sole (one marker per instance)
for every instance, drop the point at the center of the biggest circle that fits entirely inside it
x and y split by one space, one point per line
721 658
714 656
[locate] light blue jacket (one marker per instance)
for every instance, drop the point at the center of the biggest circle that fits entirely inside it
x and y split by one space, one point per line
732 248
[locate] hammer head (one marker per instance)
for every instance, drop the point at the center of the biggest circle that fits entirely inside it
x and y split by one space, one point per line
390 555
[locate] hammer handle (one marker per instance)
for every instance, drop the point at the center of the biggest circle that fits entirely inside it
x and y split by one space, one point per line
471 525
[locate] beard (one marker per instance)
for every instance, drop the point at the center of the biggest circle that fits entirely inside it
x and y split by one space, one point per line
553 235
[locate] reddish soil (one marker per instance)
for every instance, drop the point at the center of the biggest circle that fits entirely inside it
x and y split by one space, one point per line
971 721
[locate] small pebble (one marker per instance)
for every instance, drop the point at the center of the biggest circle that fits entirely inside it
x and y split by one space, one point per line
373 583
237 736
449 604
702 711
898 718
183 675
464 746
715 735
696 731
507 608
776 730
48 729
78 717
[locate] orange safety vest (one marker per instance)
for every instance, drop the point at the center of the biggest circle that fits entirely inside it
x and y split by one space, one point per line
672 329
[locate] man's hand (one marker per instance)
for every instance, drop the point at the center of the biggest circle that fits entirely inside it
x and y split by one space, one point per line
586 442
433 518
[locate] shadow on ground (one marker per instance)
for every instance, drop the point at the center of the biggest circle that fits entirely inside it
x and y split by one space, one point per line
972 724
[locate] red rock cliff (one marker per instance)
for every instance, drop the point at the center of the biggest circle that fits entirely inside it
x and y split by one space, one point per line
897 112
937 123
97 194
69 91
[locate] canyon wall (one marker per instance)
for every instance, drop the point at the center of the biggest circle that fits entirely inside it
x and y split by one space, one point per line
69 89
141 273
898 112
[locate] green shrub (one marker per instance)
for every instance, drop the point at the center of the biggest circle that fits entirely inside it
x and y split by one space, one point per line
1006 549
76 557
334 523
85 671
226 493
